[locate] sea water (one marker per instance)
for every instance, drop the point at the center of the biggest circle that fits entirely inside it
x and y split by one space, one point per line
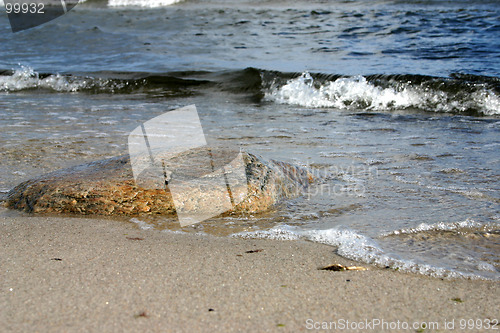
394 105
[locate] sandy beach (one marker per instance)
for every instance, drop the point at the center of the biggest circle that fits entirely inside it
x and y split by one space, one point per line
369 125
69 274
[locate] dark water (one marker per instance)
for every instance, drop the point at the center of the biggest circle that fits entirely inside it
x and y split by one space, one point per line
395 104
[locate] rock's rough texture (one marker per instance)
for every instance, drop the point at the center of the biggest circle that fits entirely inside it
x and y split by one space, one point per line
108 187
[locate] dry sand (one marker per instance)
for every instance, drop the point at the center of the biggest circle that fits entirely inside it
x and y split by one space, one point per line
96 275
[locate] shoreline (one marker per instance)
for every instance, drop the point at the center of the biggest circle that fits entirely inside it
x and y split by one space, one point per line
73 274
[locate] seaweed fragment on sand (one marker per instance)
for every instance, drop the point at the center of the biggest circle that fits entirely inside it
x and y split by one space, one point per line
340 268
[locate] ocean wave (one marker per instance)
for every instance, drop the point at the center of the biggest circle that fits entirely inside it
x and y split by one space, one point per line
355 246
463 227
142 3
469 94
383 93
25 78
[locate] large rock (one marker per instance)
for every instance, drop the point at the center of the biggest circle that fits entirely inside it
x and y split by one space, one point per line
108 187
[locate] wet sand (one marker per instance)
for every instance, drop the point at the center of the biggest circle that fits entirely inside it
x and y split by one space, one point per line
97 275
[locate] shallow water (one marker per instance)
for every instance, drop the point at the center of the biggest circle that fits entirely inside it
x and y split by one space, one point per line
394 104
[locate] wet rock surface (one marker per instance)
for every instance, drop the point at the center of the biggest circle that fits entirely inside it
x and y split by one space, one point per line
108 187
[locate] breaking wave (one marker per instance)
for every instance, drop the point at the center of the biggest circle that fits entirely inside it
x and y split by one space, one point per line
141 3
26 78
384 93
468 94
464 227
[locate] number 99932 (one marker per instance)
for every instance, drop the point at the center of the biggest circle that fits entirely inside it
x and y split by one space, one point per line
25 8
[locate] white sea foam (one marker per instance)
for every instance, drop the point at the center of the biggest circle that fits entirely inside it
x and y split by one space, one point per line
280 232
489 101
142 3
354 246
466 225
357 93
26 78
341 93
141 224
